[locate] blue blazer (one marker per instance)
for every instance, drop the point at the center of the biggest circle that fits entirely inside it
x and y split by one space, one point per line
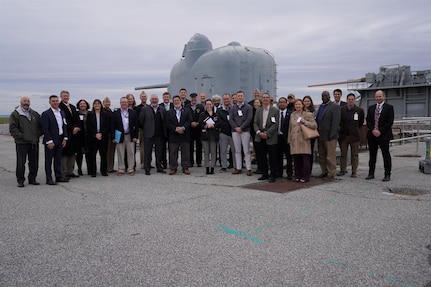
50 127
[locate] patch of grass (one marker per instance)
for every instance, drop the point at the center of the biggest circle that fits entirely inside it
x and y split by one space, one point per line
4 120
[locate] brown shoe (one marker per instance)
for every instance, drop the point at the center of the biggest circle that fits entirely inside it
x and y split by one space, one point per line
249 172
120 173
186 171
172 171
236 171
132 173
354 175
341 173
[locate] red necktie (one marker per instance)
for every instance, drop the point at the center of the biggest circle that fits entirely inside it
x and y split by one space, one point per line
376 117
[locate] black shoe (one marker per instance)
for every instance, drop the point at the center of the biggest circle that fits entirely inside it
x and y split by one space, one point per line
199 165
212 170
80 172
263 177
161 171
322 175
62 180
370 176
104 174
257 171
223 169
386 178
289 177
50 182
230 166
271 179
207 170
72 175
20 184
93 175
147 172
33 182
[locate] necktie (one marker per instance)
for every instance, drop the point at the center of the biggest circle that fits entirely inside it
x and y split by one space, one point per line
70 109
376 117
282 122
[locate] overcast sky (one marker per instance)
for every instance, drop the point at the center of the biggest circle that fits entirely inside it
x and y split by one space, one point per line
104 48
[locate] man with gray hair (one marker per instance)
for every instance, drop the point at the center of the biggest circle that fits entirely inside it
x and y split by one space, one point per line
25 128
216 99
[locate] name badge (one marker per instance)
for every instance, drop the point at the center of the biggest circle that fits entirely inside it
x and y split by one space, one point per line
240 114
356 117
81 117
126 120
227 117
273 120
64 121
299 119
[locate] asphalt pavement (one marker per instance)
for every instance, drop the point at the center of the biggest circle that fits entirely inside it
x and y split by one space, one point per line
208 230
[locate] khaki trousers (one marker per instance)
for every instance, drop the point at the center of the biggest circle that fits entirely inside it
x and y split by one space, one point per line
129 146
327 156
354 158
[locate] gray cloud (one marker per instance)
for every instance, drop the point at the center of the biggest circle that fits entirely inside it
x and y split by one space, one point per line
106 48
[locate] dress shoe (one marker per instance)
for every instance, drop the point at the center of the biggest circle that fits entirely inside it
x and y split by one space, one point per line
20 184
212 170
33 183
341 173
72 175
249 172
257 171
50 182
289 177
223 169
161 171
386 178
131 173
120 173
370 176
322 175
271 179
199 165
230 166
236 171
172 171
354 175
93 175
263 177
207 170
62 179
147 172
186 171
104 174
80 172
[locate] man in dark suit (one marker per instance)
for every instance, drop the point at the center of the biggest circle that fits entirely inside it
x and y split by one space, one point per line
178 125
266 127
337 98
195 130
380 118
124 128
167 105
328 121
54 138
283 148
352 119
183 97
73 128
152 122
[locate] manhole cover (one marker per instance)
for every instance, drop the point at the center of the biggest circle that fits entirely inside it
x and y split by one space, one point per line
407 191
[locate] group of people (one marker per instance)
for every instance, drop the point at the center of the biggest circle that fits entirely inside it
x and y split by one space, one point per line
217 129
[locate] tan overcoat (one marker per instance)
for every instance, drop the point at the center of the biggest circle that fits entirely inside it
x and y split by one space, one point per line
299 145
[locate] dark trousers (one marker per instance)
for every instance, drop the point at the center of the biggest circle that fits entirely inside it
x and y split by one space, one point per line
22 152
158 143
185 155
50 155
197 150
100 146
283 150
79 159
373 145
164 157
264 153
302 166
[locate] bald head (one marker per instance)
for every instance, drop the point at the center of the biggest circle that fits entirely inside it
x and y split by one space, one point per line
25 102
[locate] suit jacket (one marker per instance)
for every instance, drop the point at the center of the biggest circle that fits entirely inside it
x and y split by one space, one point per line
117 124
285 127
386 121
330 121
195 133
172 123
271 125
171 106
50 127
105 125
147 120
72 120
350 124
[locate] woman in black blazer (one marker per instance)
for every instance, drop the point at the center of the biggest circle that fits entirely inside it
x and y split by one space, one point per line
98 127
208 122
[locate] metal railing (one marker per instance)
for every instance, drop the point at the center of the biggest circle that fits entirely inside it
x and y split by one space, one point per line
411 129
